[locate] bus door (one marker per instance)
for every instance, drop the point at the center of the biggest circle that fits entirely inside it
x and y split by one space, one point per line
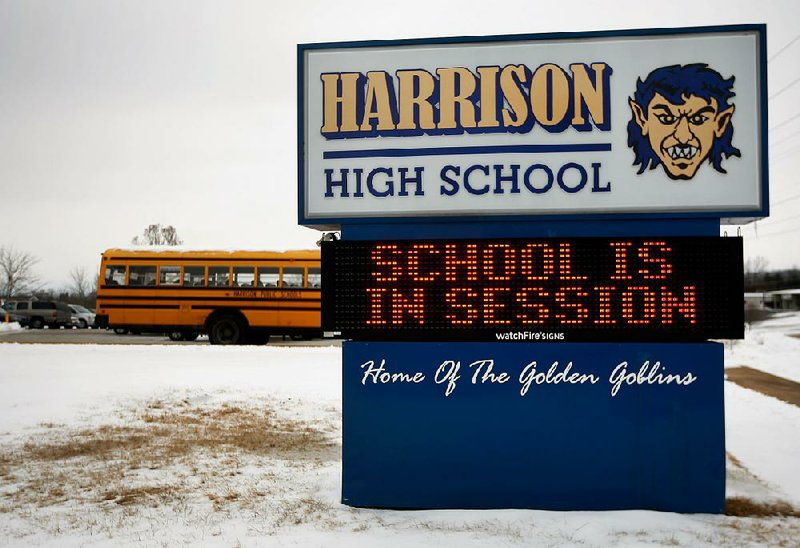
142 295
292 291
167 309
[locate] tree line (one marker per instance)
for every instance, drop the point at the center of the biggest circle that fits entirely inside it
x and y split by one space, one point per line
758 278
18 277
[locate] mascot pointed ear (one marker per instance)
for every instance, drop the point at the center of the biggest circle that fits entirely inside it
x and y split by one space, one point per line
723 119
638 115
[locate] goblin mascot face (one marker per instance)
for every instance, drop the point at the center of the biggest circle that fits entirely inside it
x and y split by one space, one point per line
680 117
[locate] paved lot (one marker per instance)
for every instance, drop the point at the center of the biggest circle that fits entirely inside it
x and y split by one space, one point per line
102 336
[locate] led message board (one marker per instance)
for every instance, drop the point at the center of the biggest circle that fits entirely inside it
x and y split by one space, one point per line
554 289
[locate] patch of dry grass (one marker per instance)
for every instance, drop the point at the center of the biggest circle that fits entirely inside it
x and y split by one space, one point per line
307 510
760 532
171 433
140 495
744 507
189 445
757 522
734 460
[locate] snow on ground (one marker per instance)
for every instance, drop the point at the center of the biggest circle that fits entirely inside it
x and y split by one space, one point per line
65 383
769 347
763 432
151 445
10 326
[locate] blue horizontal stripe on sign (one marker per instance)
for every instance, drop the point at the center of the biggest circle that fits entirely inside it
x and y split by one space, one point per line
446 151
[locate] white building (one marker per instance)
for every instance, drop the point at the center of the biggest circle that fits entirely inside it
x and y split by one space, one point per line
754 301
785 299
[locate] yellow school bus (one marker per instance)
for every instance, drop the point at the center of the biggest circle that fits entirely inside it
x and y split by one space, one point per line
236 297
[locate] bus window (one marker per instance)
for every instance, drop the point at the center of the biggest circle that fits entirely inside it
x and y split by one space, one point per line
142 275
169 275
293 276
244 276
268 276
314 277
218 276
194 276
115 274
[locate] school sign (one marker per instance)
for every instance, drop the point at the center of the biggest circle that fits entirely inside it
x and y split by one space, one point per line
529 268
668 123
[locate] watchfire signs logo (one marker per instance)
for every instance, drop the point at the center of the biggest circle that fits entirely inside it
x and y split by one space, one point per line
681 116
535 126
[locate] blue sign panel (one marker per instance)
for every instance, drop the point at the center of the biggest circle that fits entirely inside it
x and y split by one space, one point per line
559 426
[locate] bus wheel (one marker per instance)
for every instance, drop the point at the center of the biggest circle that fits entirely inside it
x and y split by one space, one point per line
226 330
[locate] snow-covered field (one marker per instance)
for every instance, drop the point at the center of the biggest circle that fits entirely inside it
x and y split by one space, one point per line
201 445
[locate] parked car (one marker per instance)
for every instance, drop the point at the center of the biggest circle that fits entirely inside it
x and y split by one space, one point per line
40 313
82 317
21 320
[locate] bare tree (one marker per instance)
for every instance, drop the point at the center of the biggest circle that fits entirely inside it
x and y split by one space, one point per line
170 236
16 272
79 282
756 265
158 235
755 274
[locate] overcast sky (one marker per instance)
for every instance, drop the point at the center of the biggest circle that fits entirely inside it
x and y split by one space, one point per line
115 115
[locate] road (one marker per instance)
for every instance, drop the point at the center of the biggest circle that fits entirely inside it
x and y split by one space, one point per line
102 336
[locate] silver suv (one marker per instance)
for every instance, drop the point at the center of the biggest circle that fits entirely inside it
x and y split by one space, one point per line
82 317
41 313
